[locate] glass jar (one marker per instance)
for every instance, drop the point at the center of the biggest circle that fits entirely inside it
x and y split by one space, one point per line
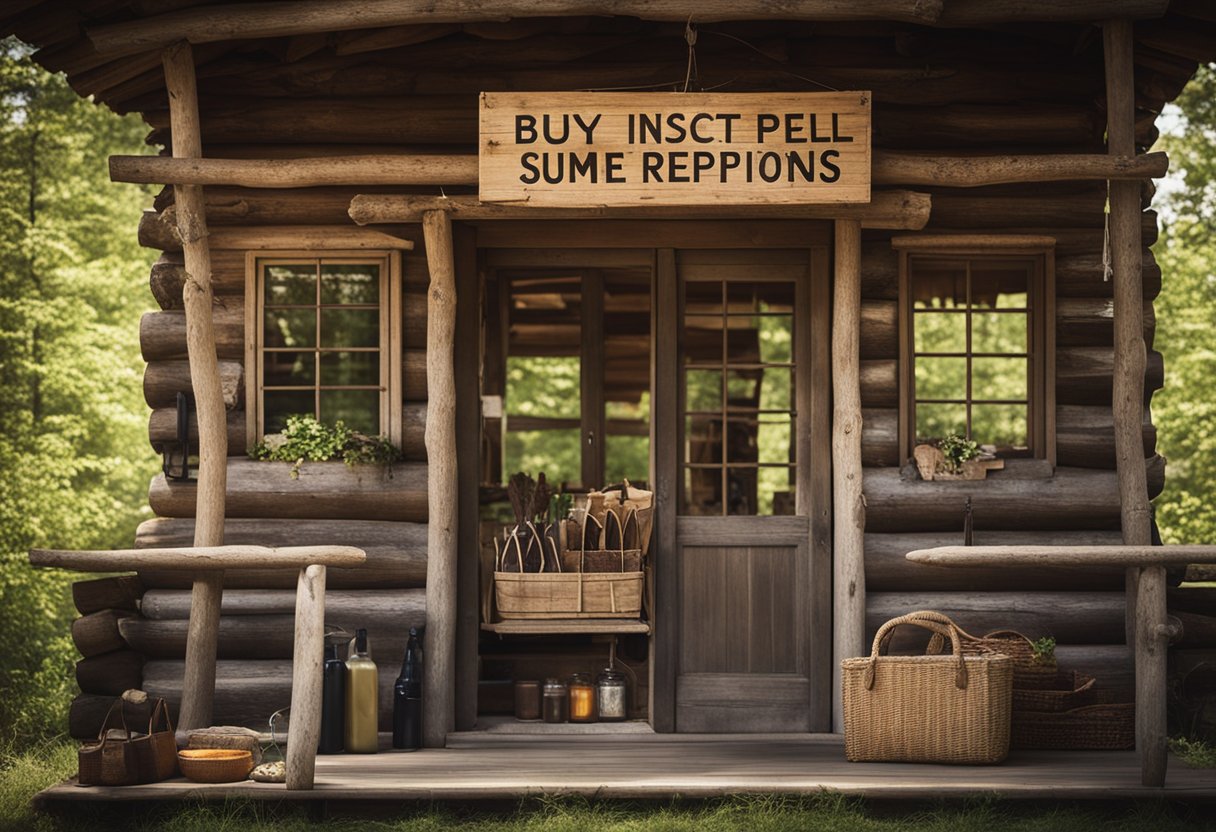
610 694
582 698
527 699
556 704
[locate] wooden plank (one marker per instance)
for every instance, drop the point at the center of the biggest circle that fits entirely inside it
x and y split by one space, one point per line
304 730
935 170
592 429
819 574
849 504
890 209
742 702
439 684
1119 556
559 626
380 169
657 234
665 468
198 558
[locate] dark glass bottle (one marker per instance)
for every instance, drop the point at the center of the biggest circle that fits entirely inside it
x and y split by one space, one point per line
333 702
407 697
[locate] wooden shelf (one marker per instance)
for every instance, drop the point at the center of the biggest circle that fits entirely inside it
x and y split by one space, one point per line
561 626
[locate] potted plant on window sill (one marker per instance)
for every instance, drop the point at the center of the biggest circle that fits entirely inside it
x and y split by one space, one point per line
304 439
954 458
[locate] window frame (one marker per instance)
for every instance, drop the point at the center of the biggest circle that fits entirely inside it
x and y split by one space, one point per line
391 405
1041 385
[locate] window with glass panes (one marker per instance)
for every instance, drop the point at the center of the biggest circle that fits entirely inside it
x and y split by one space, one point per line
323 334
975 346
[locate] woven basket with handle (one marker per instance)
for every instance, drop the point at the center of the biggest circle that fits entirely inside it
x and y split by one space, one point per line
927 709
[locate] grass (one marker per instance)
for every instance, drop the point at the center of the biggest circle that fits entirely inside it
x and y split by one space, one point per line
23 774
1195 753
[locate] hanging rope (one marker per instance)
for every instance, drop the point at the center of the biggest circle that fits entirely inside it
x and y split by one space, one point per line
1108 270
690 36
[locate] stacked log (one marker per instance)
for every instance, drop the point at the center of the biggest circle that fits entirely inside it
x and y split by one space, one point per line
107 666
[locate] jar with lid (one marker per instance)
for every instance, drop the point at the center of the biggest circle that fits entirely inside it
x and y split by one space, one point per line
556 704
610 693
582 698
527 699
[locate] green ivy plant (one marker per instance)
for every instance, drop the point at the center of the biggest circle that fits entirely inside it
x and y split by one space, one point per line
1195 753
1044 650
305 438
958 450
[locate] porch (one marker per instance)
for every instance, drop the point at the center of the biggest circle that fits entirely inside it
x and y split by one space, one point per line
484 765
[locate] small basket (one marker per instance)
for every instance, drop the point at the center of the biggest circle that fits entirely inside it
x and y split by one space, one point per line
1093 727
215 765
926 709
1070 690
1028 672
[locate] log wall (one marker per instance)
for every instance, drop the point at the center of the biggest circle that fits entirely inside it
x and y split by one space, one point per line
940 92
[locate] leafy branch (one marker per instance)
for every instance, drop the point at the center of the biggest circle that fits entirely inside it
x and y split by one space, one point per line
305 438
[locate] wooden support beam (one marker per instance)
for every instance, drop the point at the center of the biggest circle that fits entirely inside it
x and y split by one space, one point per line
199 558
1128 385
264 20
199 686
1051 556
886 210
438 702
849 512
299 173
890 168
304 730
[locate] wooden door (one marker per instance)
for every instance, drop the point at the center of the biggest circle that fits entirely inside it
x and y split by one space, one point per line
747 379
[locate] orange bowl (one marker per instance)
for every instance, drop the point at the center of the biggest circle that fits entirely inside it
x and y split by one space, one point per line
215 765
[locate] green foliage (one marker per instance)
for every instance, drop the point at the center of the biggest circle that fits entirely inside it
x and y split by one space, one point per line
958 450
1185 410
1195 753
73 426
305 438
1044 650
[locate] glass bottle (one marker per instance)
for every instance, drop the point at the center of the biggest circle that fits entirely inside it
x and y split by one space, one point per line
333 702
362 700
527 699
582 698
556 703
407 697
610 695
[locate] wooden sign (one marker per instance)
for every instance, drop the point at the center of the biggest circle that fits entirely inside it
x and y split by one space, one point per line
605 148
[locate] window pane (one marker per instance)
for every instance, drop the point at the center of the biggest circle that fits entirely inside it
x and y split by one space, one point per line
775 491
938 283
627 457
743 388
774 296
703 296
1000 284
294 284
703 390
777 389
289 369
940 332
1003 425
350 368
702 491
703 438
998 378
543 386
290 328
279 404
555 452
741 492
359 409
774 438
350 283
776 339
941 378
998 332
350 327
703 339
934 421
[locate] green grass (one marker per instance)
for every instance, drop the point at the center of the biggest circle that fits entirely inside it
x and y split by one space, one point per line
23 774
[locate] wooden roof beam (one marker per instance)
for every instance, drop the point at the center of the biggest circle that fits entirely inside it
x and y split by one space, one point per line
887 209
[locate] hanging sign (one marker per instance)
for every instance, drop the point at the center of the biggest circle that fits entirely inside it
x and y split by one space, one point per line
592 149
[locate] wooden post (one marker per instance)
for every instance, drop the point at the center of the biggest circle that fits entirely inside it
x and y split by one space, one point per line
304 728
1128 396
849 512
198 687
438 697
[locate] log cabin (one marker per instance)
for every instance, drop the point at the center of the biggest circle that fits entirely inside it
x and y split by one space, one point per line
760 341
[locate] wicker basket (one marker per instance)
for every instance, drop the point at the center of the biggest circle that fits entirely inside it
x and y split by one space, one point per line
1028 672
935 709
1070 690
215 765
1097 727
568 594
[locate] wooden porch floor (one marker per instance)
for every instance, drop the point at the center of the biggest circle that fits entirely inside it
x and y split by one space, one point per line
653 766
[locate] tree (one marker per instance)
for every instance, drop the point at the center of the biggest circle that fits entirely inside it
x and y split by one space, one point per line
1185 411
73 440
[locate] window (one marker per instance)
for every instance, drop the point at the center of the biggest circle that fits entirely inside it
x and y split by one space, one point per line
976 332
323 341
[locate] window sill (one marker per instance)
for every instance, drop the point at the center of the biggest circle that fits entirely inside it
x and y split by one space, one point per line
1015 469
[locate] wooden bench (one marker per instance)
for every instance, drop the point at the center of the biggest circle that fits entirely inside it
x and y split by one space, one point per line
1146 614
309 647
